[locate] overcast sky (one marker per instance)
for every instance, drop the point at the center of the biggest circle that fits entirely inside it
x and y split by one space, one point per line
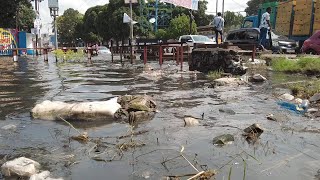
83 5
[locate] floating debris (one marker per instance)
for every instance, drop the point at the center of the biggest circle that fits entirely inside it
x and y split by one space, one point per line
253 132
190 121
223 139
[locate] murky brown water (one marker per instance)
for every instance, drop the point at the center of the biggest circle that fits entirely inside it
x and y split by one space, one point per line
286 150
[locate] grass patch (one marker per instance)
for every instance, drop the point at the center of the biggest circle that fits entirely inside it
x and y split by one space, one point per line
305 89
215 74
305 65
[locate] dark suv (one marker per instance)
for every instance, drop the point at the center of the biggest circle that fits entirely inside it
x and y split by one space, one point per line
249 36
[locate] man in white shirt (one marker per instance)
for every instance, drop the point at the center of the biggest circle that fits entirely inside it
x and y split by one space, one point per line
218 24
264 27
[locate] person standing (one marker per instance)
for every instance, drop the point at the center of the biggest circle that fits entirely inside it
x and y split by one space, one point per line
264 27
218 25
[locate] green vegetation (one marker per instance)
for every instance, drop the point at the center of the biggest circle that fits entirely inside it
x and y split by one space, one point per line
101 24
232 20
215 74
180 26
69 55
305 89
253 6
67 24
305 65
17 13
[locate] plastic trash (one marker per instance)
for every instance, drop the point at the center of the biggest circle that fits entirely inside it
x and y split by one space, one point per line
305 104
300 109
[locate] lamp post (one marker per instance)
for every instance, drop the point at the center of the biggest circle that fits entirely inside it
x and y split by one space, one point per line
54 9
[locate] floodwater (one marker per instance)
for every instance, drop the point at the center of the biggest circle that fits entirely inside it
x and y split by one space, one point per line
287 150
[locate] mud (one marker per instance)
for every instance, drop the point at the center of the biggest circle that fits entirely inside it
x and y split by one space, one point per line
286 150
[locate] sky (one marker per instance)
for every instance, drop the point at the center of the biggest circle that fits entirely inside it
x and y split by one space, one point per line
83 5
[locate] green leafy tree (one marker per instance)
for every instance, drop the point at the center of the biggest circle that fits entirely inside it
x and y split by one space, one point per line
161 34
143 28
110 21
67 24
103 23
25 16
180 26
253 6
16 13
232 20
90 23
200 15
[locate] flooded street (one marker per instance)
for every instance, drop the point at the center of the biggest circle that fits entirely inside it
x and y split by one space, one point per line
287 150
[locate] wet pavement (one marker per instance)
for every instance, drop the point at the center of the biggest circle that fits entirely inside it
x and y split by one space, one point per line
286 150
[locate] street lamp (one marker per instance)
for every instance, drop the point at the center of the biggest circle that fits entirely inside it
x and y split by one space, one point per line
54 10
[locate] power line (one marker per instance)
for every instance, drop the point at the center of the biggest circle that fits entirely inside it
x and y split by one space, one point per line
239 4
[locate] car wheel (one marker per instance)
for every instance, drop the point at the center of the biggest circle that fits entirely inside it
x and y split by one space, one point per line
311 51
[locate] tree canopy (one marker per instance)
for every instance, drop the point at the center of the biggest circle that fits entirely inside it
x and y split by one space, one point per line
16 13
103 23
232 20
253 6
67 24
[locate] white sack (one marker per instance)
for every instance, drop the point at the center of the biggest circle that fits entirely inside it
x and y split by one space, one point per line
44 175
21 166
97 110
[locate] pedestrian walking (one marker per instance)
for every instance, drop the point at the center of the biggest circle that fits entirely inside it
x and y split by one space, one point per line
264 27
218 25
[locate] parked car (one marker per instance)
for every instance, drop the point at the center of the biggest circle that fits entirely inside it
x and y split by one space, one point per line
191 39
103 50
312 45
247 36
282 44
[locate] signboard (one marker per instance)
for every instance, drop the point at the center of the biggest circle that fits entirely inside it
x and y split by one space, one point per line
132 1
8 40
53 4
189 4
37 23
35 31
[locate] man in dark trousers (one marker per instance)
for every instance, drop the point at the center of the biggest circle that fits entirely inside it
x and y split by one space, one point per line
264 27
218 25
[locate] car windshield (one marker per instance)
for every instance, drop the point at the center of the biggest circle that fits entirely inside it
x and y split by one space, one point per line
102 48
201 39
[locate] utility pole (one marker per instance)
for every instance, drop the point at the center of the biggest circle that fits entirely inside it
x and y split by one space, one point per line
191 20
37 12
55 30
217 4
131 33
223 8
156 17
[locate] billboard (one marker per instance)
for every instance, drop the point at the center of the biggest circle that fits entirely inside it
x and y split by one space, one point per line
53 4
189 4
132 1
8 40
